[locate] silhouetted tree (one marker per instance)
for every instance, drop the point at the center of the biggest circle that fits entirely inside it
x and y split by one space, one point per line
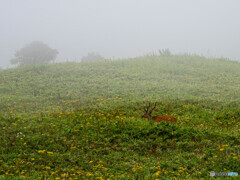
92 57
34 53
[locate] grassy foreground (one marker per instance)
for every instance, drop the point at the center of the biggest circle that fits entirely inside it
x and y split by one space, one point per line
83 120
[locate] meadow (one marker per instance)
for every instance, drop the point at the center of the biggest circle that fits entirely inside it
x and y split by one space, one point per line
83 120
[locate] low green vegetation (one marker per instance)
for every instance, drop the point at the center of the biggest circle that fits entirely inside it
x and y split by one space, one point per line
83 120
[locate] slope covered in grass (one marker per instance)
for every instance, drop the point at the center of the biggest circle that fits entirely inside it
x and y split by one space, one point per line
83 120
30 89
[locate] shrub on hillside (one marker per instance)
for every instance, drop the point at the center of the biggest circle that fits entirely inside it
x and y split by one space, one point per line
92 57
164 52
34 53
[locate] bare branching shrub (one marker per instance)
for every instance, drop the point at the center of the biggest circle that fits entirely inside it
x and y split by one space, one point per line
164 52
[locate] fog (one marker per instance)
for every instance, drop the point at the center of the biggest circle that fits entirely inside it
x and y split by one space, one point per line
121 28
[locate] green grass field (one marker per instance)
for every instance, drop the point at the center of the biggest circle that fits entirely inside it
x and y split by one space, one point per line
83 120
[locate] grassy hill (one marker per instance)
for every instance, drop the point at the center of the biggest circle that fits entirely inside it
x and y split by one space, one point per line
83 120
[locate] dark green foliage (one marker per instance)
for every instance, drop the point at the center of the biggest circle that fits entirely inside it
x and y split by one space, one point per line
91 57
34 53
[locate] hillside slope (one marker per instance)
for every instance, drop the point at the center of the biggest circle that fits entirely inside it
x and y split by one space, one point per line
30 89
83 120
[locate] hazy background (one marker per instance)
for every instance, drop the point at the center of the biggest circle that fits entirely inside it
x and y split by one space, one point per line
121 28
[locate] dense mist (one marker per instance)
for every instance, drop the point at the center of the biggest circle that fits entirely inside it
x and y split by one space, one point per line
117 29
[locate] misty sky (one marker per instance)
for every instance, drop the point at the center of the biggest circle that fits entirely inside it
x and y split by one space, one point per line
121 28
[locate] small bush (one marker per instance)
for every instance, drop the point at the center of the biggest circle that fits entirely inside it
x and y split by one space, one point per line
92 57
